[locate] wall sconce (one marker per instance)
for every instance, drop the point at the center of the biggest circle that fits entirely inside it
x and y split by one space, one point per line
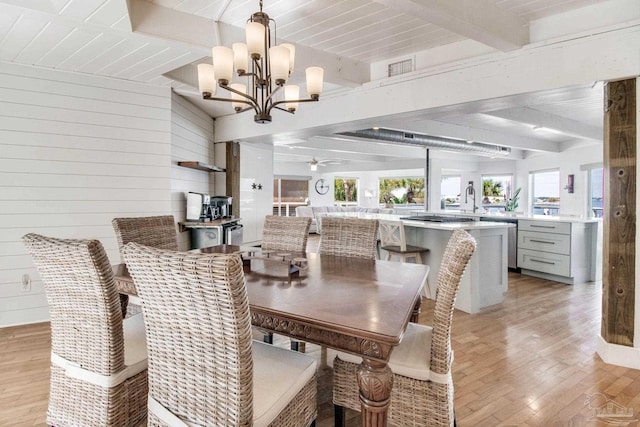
569 186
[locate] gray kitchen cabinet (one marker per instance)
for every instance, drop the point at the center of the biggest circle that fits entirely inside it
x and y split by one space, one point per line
563 251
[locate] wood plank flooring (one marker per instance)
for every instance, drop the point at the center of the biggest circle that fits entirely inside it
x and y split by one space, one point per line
530 361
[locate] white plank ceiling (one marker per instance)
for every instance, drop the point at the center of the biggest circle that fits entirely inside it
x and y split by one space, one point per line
159 41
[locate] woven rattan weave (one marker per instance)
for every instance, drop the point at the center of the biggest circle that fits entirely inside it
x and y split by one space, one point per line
349 237
155 231
415 402
286 233
199 339
86 330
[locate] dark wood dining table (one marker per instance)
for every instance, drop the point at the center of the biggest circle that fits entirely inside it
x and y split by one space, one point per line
350 304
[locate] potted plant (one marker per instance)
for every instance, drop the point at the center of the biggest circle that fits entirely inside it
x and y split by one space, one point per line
512 204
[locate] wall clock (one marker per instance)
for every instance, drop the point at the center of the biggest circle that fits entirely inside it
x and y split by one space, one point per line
322 187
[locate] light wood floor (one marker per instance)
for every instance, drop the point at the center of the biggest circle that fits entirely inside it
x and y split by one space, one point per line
530 361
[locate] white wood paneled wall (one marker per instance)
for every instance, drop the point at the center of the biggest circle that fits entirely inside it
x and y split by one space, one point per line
75 152
191 140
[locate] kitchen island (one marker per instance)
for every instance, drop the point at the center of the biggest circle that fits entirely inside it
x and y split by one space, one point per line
485 280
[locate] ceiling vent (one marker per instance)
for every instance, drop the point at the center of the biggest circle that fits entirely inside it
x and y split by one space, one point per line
400 67
429 141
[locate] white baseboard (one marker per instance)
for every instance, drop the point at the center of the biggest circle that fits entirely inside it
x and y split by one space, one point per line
24 317
620 355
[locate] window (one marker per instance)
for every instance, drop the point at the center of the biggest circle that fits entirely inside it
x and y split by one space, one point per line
450 192
345 191
401 190
496 191
289 194
596 192
545 191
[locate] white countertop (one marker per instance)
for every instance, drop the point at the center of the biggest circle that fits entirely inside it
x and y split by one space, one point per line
499 216
472 225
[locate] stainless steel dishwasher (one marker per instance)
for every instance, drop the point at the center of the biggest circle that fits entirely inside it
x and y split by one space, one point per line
512 240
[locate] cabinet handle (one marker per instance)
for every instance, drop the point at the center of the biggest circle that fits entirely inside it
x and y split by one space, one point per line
542 241
542 226
541 261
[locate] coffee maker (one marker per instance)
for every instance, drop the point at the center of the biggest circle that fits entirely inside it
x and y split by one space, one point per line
222 204
199 207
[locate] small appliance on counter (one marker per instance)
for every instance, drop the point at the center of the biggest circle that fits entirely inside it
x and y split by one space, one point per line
223 206
199 208
210 221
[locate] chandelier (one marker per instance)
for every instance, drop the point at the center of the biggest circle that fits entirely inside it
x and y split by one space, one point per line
270 69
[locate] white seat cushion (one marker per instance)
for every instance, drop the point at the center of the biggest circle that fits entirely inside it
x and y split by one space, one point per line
135 345
278 375
135 358
411 358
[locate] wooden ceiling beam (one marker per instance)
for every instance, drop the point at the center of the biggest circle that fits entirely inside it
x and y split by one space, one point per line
479 20
550 121
202 33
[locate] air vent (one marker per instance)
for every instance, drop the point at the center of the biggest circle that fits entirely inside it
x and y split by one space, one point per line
401 67
417 139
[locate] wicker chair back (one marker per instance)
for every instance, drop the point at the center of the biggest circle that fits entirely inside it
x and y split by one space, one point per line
349 237
86 331
155 231
198 335
286 233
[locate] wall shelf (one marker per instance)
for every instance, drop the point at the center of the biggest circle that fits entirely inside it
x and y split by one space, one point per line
201 166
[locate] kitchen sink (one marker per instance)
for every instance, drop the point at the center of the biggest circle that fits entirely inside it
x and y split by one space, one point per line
438 218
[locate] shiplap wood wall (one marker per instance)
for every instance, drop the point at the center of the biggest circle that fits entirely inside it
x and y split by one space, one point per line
191 140
77 151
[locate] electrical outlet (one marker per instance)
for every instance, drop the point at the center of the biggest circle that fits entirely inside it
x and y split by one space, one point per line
26 283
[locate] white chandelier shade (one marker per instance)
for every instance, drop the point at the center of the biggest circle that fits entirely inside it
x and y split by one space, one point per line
255 39
265 74
291 93
236 96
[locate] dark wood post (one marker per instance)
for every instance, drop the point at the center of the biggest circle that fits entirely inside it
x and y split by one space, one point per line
618 272
233 175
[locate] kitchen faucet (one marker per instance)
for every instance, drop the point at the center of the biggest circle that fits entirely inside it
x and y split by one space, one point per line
470 191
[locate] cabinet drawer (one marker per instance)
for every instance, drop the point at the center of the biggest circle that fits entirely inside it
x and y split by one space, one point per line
545 242
544 262
545 226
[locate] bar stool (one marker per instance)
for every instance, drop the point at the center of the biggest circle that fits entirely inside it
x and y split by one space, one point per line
394 241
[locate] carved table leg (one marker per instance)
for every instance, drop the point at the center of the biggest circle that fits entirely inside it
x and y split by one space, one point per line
375 380
124 302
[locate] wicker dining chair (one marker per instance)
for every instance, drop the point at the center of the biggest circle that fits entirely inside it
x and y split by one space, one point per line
204 368
349 237
285 233
422 393
155 231
98 360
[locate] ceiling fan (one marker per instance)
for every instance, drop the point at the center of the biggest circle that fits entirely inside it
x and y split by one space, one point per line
313 164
